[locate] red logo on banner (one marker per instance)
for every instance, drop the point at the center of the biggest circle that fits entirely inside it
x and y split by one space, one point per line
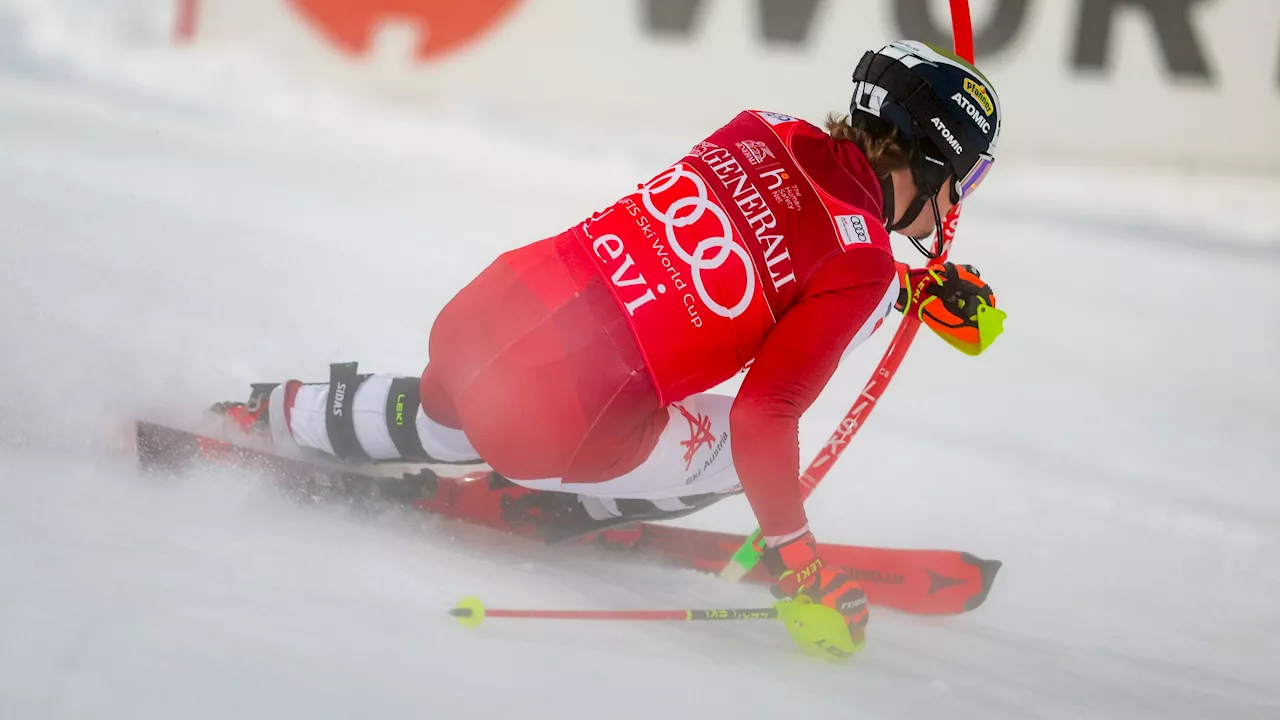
445 25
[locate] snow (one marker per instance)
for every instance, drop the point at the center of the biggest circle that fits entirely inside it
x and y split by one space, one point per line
164 245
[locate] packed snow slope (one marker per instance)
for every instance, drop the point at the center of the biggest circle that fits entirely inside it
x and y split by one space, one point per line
1119 448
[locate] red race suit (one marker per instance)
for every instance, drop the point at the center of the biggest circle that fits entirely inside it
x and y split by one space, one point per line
763 248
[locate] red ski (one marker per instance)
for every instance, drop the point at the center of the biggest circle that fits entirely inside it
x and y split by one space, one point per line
924 582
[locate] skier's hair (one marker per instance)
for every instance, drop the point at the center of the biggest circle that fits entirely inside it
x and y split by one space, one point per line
886 150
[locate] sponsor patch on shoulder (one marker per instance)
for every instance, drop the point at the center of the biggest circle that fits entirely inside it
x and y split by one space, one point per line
853 230
776 118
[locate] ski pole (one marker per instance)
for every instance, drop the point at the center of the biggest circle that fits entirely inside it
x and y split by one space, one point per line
470 612
817 629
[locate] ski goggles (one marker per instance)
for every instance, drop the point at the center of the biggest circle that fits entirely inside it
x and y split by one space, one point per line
975 176
935 173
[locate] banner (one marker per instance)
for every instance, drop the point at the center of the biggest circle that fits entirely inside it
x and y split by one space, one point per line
1193 83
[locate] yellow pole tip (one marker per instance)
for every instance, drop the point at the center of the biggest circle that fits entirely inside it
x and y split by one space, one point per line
469 611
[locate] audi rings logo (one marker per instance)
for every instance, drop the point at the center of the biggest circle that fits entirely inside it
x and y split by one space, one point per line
711 252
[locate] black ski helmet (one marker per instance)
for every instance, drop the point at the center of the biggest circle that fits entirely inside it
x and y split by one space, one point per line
943 104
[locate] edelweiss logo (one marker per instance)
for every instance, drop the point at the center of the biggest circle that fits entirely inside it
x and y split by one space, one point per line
699 435
756 151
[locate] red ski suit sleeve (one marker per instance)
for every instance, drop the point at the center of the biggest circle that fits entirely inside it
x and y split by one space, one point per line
792 367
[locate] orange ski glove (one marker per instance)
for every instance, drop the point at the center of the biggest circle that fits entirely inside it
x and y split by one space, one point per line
954 302
800 571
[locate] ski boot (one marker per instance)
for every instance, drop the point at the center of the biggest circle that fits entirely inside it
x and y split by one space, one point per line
253 416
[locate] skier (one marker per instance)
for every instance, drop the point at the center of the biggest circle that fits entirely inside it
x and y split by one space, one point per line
576 367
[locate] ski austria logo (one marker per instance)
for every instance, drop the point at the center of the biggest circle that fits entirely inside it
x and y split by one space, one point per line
699 434
979 93
706 221
853 230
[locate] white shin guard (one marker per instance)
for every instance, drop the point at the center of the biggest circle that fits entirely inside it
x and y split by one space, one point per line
373 417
